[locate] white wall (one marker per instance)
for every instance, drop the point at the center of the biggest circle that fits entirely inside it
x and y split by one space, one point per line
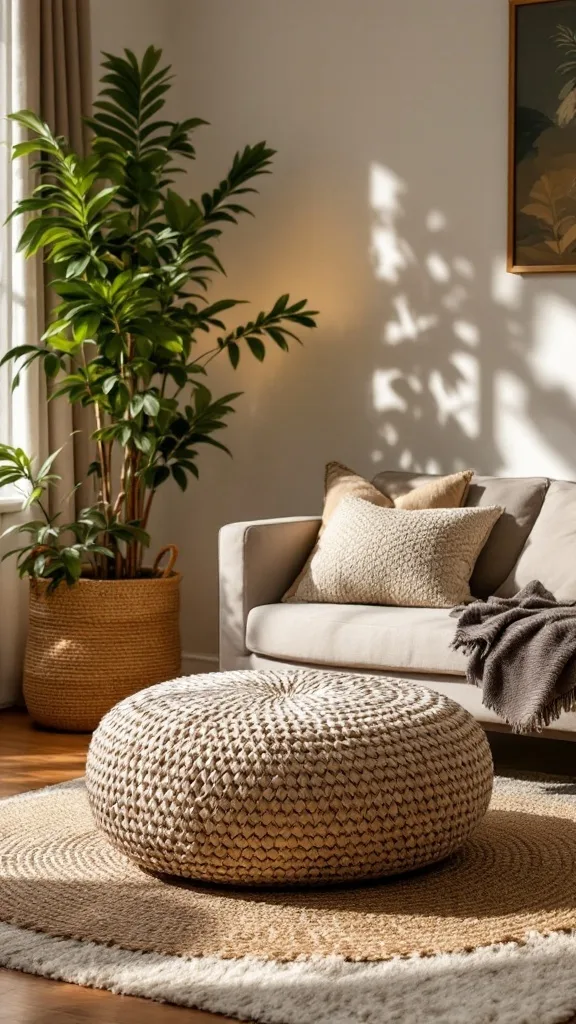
387 210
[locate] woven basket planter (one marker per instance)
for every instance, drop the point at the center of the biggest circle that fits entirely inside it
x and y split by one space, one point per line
92 644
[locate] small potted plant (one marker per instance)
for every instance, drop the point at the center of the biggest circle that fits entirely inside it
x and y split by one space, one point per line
132 261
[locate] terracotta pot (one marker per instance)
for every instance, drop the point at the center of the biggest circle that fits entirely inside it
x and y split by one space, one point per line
96 642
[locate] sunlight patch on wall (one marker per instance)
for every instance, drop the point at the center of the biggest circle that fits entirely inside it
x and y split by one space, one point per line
438 268
436 220
426 396
506 288
466 332
384 395
553 359
458 403
525 449
407 326
464 267
390 253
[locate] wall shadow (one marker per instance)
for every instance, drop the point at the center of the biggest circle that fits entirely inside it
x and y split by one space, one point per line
428 358
460 357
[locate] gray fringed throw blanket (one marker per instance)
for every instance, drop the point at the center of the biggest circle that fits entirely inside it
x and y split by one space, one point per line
522 652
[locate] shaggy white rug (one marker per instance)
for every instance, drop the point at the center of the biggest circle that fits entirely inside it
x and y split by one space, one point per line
534 983
507 984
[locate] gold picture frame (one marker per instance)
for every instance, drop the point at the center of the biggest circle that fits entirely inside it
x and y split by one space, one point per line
542 137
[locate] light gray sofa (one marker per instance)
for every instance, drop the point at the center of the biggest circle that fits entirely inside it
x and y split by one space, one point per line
534 538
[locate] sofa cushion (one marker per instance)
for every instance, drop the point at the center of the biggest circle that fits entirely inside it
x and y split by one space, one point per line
549 554
433 491
370 555
521 498
357 636
341 482
439 492
427 490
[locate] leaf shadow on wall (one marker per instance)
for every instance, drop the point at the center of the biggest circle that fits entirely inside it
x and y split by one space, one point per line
450 389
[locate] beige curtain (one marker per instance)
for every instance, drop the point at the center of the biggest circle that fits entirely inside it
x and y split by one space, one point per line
51 58
60 37
47 45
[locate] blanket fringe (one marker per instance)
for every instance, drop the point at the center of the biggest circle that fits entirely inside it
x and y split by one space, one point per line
463 643
542 719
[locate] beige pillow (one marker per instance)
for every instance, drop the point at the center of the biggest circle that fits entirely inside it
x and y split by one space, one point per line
441 492
418 559
341 482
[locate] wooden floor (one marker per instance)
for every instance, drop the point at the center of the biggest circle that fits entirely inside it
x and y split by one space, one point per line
29 759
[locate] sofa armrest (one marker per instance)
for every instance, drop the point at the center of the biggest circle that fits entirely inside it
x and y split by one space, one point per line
257 563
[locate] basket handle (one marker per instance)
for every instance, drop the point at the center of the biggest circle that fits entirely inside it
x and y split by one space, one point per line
173 552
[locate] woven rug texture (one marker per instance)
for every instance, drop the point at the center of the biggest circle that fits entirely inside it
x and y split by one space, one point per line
503 908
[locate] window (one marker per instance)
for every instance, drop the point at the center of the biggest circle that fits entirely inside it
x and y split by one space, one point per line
21 288
6 232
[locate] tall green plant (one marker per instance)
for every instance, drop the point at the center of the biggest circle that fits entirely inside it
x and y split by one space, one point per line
132 261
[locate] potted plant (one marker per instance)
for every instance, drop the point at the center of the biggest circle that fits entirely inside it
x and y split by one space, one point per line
132 261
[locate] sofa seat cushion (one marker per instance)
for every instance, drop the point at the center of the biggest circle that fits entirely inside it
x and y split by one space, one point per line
357 636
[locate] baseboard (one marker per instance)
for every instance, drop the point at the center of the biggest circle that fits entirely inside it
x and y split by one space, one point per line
193 663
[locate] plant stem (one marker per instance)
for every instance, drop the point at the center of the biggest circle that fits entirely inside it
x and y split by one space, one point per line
102 453
131 507
147 507
43 510
209 355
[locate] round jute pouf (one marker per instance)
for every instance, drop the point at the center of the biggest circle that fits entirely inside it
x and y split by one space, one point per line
285 777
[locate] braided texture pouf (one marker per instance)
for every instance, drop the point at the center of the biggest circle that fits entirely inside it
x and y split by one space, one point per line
284 777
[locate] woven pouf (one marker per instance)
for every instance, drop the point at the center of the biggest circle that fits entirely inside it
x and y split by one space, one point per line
284 777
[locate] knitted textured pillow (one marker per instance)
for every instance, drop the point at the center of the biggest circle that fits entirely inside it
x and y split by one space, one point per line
370 555
341 482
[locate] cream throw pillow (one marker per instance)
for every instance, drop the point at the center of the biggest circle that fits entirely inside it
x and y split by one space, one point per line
418 559
341 482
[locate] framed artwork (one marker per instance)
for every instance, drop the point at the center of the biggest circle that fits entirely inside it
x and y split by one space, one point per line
542 137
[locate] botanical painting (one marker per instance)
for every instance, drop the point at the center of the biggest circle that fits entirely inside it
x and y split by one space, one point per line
542 229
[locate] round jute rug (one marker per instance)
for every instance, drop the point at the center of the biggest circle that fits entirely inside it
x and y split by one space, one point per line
59 875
